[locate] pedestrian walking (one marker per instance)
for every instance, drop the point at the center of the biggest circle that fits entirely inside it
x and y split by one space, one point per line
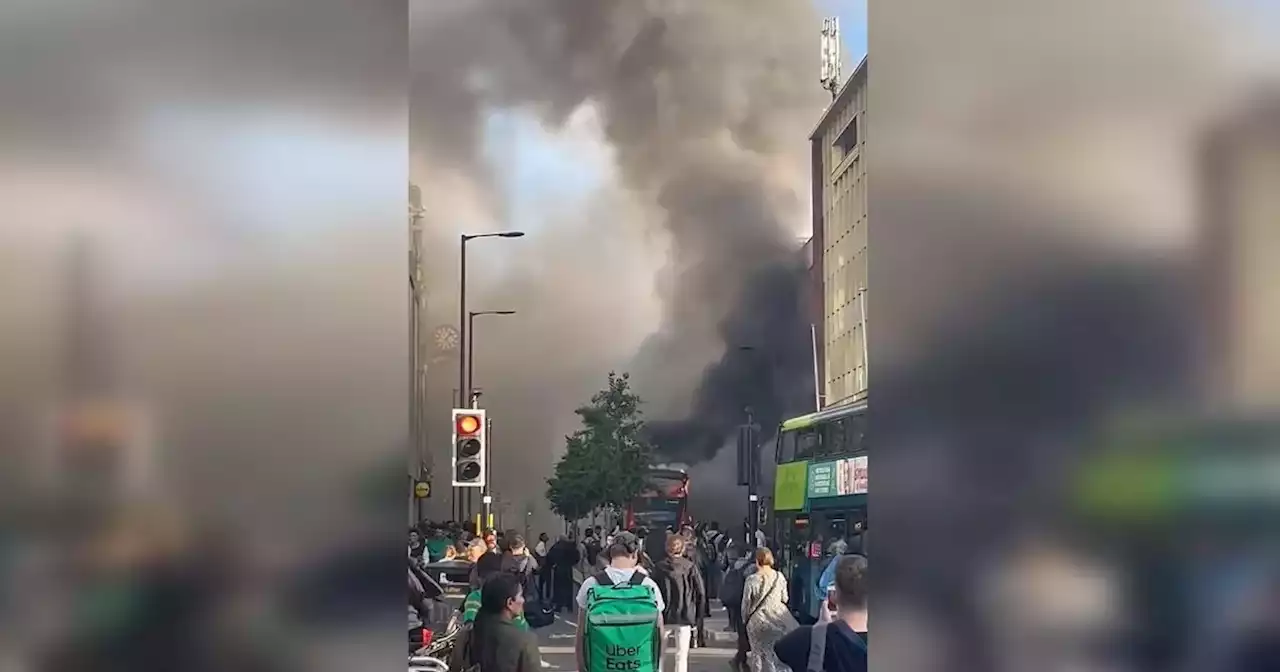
765 613
563 558
731 589
592 547
685 596
517 560
540 551
620 614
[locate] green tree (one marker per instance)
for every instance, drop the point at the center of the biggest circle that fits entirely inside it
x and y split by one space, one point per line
568 489
605 461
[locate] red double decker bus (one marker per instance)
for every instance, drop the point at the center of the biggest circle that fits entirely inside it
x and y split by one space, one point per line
664 502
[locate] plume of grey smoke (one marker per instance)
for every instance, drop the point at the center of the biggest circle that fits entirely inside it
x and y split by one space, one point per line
706 107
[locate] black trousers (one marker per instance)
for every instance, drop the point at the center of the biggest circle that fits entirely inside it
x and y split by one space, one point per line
734 612
739 661
563 591
545 585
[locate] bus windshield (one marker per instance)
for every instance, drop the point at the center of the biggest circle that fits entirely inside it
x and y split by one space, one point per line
662 502
658 513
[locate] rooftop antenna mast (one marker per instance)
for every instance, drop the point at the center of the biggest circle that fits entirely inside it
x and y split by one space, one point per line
830 75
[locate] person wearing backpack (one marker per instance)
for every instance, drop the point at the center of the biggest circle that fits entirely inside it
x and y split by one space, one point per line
489 566
680 584
838 643
735 578
517 560
495 642
620 615
591 546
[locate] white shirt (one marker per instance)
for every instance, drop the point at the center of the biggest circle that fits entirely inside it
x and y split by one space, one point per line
620 576
541 548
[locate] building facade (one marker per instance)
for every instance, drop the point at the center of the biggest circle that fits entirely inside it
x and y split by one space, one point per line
839 183
1240 168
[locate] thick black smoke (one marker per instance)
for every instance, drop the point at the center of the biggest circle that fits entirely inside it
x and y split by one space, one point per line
706 107
766 367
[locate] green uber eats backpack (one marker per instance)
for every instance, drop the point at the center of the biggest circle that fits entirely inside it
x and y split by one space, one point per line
621 620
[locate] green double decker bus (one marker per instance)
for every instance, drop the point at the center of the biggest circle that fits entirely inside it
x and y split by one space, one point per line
820 494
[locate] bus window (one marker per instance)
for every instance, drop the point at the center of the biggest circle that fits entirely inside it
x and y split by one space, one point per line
786 450
856 432
834 529
833 441
808 443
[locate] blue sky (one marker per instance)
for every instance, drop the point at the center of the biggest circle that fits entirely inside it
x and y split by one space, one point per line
542 167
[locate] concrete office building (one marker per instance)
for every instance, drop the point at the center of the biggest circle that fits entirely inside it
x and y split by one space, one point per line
1240 166
839 244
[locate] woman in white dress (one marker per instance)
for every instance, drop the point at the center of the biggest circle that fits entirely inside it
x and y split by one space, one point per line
764 609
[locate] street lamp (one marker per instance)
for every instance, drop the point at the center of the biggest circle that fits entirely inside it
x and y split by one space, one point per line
471 361
750 455
463 390
471 341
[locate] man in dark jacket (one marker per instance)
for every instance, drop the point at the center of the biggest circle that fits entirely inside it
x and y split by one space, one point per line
563 557
591 545
684 594
695 555
517 560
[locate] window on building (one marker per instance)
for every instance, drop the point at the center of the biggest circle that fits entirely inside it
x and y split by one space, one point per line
845 143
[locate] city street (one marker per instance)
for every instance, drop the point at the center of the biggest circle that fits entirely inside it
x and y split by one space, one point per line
556 644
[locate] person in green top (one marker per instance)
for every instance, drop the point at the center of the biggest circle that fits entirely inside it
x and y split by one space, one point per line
488 566
437 544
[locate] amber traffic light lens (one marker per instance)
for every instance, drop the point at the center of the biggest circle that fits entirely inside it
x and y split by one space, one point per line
468 424
468 448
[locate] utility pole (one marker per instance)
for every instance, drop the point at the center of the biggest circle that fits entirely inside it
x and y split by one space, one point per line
417 367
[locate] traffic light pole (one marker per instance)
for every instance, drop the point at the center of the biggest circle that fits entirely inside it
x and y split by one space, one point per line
473 396
462 355
488 473
753 478
468 497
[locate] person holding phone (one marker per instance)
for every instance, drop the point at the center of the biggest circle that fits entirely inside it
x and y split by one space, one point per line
838 643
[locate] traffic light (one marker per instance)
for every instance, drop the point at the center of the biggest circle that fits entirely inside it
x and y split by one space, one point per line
470 448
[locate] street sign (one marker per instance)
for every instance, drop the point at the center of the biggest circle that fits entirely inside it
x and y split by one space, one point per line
422 490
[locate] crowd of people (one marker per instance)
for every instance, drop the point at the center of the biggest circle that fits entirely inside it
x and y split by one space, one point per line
660 583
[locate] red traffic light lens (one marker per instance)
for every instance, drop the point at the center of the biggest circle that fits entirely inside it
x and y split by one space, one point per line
468 424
